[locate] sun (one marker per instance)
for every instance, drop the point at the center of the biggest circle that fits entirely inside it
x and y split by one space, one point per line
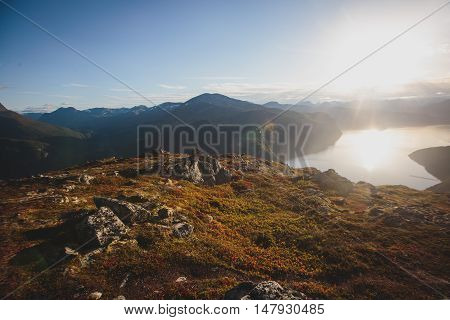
402 61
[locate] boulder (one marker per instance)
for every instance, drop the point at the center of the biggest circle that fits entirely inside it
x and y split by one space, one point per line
181 279
126 211
186 169
266 290
182 229
86 179
203 169
95 295
410 214
103 227
330 180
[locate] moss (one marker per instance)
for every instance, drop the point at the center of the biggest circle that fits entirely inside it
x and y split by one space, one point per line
263 226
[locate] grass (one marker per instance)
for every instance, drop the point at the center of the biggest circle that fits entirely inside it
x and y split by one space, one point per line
262 226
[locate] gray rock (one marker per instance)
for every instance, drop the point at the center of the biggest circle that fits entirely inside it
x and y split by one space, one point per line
266 290
103 227
127 212
95 295
181 279
86 179
187 169
330 180
203 169
410 214
182 229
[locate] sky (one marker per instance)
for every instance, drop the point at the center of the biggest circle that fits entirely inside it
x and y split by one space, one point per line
251 50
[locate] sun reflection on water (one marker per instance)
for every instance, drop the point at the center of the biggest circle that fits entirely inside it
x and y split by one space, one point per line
370 148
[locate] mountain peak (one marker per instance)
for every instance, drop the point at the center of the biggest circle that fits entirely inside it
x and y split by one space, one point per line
65 109
2 108
210 98
219 100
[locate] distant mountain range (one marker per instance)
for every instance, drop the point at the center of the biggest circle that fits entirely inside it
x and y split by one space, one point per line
378 113
35 142
102 132
28 146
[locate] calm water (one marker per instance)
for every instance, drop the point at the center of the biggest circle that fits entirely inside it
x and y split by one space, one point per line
381 156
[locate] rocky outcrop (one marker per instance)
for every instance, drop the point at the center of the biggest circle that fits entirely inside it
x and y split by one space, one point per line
86 179
182 229
410 214
197 169
126 211
330 180
266 290
101 227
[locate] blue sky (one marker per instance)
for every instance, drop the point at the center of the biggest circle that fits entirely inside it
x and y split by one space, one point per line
253 50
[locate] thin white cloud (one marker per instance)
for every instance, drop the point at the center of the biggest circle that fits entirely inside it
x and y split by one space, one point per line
63 96
121 90
155 98
2 87
172 87
76 85
217 78
258 92
45 108
49 95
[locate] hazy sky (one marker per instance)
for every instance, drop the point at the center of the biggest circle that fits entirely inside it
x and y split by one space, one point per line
253 50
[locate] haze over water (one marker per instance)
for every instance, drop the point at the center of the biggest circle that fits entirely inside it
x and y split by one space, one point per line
381 156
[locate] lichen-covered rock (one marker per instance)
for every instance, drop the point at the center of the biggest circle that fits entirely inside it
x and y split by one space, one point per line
266 290
203 169
101 227
127 212
182 229
86 179
330 180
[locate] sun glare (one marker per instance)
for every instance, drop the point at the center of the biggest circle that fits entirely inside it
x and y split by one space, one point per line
371 148
400 62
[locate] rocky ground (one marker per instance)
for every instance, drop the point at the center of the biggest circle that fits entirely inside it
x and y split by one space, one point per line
236 228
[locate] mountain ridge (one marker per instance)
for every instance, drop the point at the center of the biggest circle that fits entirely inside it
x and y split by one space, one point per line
112 132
